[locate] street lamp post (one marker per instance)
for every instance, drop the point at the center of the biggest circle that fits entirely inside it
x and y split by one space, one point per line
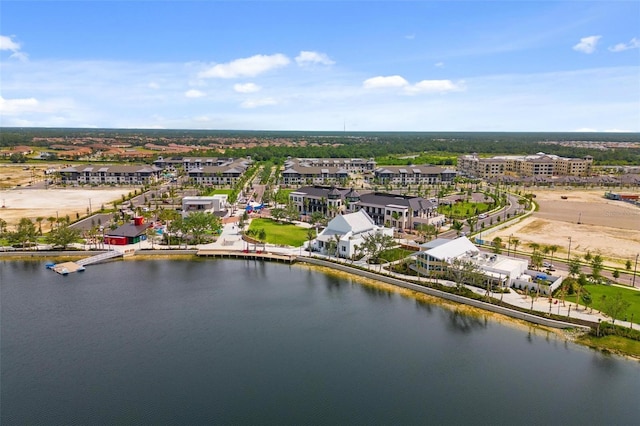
635 269
569 253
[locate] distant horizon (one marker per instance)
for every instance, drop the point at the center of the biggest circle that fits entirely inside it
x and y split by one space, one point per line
336 132
368 66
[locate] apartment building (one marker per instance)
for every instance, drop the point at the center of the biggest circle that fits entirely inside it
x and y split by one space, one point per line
212 171
539 164
413 175
324 171
397 211
105 175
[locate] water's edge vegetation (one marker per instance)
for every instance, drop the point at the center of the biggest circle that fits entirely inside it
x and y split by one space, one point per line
618 345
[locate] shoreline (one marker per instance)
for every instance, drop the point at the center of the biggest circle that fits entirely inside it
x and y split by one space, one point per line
573 333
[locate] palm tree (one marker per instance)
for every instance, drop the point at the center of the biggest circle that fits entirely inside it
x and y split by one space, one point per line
39 219
553 248
457 226
51 220
472 221
515 242
336 237
262 236
310 236
331 247
497 245
535 247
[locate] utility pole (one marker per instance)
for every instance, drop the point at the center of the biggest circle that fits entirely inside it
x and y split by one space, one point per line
569 253
635 269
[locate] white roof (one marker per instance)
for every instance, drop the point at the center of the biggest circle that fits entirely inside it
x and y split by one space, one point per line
452 249
356 222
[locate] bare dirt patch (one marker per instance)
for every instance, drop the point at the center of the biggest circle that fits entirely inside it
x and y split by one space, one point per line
609 227
33 203
12 175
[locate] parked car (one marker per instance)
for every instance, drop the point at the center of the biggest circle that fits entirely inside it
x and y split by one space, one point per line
482 216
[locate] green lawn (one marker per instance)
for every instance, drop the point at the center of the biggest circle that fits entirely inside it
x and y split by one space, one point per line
395 254
613 343
464 209
220 191
280 232
596 291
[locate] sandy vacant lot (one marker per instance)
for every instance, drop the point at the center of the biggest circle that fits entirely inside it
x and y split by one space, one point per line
22 174
33 203
21 199
609 227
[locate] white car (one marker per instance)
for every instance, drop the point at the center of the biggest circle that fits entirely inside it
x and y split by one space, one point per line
482 216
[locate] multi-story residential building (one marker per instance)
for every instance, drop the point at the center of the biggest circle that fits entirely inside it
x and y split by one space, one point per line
324 171
539 164
188 163
352 165
105 175
410 175
212 172
398 211
324 199
300 175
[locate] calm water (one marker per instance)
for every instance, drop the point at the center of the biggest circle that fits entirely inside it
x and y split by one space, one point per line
235 342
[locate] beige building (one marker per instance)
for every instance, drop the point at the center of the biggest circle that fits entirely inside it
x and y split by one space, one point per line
539 164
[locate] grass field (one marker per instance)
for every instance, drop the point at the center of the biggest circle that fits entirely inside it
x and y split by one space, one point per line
597 291
613 343
220 191
280 233
463 210
395 254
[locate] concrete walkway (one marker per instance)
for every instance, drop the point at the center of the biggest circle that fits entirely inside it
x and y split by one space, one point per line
231 240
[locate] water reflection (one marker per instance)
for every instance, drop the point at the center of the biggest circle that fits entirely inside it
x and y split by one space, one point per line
464 323
424 306
376 292
332 282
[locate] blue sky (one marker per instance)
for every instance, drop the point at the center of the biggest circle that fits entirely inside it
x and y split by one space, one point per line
322 65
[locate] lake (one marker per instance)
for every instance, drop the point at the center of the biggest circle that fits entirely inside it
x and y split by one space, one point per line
246 342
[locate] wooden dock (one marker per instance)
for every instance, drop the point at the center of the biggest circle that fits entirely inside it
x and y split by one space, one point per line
251 255
99 257
79 266
67 268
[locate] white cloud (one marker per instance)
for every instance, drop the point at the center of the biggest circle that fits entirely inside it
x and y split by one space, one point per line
585 130
255 103
634 43
439 64
7 43
410 36
587 44
193 93
382 82
246 88
153 85
424 86
17 106
434 86
310 58
246 67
